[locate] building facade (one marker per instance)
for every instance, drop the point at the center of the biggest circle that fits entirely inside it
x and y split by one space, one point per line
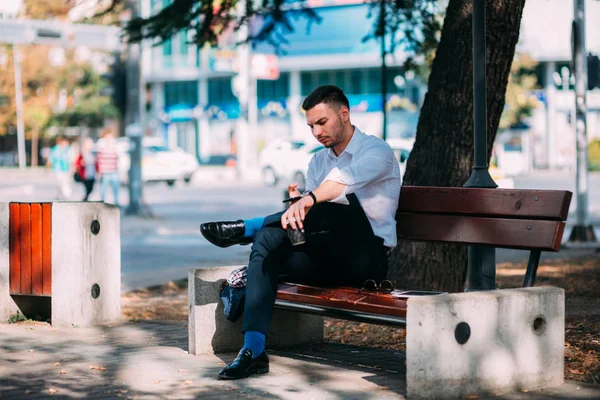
191 101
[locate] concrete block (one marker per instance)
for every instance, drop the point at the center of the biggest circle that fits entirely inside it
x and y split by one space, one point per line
82 261
209 331
511 339
7 304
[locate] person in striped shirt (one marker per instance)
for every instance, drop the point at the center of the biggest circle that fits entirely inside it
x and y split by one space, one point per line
107 164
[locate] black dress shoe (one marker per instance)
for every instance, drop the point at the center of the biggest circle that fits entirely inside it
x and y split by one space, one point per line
225 233
243 366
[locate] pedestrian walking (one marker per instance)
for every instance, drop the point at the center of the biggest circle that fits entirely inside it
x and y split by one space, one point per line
85 167
60 162
107 159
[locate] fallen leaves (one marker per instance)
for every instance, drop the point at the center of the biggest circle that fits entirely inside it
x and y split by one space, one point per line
63 372
187 382
98 368
182 370
52 390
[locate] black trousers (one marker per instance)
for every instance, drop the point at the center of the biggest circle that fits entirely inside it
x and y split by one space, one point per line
340 250
89 186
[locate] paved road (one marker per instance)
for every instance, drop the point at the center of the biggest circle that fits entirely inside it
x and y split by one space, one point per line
163 246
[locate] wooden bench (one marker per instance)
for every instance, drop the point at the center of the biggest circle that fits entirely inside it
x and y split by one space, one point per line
505 218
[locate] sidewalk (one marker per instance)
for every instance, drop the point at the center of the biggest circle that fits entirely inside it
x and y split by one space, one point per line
149 360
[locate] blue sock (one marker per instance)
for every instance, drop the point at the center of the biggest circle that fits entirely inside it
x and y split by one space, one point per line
253 225
254 341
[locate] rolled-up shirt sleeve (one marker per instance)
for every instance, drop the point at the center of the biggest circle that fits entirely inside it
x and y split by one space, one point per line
373 166
311 179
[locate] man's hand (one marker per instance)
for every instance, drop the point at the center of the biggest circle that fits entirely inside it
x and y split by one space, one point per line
294 216
293 190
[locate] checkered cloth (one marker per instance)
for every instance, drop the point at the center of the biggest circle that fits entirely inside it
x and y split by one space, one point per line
238 277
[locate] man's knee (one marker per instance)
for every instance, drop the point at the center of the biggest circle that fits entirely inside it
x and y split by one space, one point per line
268 238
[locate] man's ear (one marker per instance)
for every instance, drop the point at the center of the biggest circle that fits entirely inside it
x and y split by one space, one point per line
344 113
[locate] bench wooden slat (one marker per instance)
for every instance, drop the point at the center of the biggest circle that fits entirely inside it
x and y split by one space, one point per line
344 298
498 232
510 203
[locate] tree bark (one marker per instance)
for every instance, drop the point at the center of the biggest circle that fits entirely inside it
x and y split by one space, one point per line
443 151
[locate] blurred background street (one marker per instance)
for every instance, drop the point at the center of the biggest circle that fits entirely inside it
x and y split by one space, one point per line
186 130
163 246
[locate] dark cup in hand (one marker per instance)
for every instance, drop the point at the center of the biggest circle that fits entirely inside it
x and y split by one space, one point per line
296 236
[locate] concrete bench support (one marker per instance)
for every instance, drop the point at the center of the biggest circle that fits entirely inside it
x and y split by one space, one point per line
60 260
511 339
210 332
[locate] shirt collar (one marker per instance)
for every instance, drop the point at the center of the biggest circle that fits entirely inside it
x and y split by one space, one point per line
352 146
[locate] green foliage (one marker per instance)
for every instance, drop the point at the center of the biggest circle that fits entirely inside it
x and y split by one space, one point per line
414 25
520 102
43 83
89 107
594 155
18 317
90 112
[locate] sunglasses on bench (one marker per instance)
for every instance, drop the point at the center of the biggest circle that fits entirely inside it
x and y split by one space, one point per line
371 286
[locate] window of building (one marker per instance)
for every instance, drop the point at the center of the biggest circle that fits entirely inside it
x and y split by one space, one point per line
219 90
184 92
167 47
351 81
276 89
183 43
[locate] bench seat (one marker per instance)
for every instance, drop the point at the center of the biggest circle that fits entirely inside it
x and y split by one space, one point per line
346 303
505 218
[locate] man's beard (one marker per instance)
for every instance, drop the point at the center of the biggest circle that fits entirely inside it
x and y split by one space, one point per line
337 137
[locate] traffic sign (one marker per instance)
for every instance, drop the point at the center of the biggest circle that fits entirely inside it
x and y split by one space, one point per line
32 31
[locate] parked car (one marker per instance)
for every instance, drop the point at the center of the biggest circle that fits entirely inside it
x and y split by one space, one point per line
159 163
288 161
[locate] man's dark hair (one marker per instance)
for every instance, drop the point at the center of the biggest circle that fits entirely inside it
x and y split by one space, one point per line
326 94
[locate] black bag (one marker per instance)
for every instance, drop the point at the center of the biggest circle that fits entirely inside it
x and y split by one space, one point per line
77 177
233 302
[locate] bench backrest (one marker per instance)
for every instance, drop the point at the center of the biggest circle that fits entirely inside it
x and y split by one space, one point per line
511 218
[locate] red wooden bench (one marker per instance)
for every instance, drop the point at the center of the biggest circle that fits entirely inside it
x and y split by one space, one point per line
505 218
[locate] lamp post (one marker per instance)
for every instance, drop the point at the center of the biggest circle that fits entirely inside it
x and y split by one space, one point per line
383 70
482 260
582 231
133 114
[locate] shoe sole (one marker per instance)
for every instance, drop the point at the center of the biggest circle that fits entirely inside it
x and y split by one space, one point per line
263 370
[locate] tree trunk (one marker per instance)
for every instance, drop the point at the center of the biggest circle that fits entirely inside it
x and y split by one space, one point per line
443 151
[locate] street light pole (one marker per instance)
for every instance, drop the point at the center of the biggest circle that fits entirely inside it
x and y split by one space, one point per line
482 260
245 90
19 105
133 123
582 231
383 70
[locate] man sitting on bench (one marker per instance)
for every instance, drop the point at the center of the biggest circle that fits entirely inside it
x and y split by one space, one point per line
347 214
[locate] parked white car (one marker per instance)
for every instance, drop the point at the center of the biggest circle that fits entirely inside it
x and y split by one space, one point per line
287 161
159 163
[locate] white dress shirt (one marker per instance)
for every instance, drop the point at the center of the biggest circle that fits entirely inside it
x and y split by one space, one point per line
370 170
